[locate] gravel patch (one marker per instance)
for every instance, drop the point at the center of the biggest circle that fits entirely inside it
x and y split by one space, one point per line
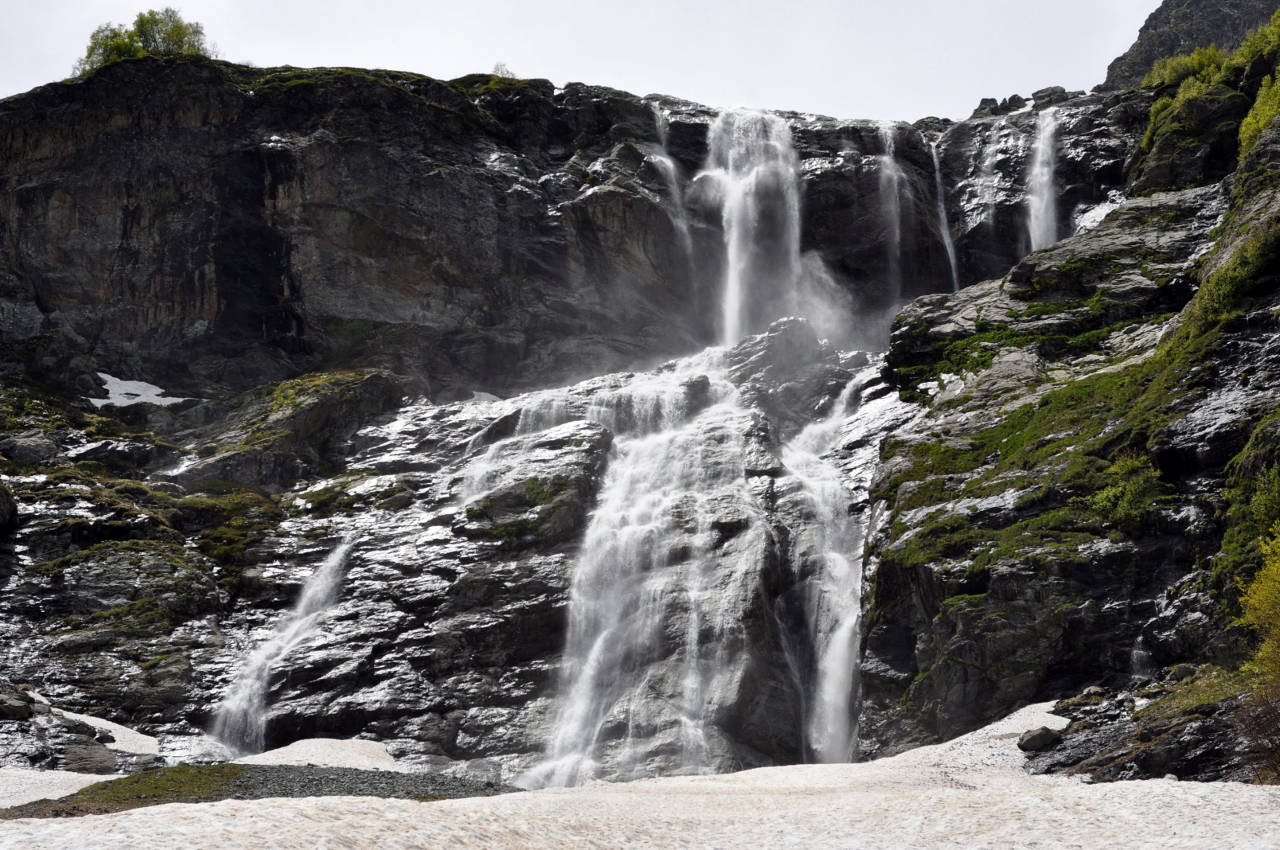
260 782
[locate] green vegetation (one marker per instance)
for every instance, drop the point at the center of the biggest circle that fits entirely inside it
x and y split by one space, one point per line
477 85
154 33
1261 604
1264 111
1129 501
185 783
1209 99
1204 64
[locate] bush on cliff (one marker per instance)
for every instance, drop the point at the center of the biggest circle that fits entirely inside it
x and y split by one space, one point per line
1265 109
1261 603
1204 64
154 33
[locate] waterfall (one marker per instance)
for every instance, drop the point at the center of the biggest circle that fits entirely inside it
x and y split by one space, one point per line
891 180
833 602
648 582
242 717
1042 196
988 180
752 161
944 224
671 178
828 549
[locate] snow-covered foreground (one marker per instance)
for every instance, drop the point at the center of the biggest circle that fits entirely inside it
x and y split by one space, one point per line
969 793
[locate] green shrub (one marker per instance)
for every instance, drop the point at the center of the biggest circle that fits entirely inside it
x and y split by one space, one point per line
1205 63
1265 108
1261 603
1129 500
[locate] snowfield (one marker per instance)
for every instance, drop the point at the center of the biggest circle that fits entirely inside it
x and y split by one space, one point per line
969 793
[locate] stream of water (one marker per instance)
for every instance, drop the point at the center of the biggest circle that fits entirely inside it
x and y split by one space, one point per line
241 719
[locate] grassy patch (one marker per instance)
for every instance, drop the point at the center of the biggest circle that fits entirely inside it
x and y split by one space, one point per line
184 783
1210 684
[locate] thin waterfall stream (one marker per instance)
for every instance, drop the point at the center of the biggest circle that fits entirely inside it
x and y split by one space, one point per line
892 178
944 222
1042 205
242 718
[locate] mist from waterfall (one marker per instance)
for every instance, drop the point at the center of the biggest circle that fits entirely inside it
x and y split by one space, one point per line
944 223
1042 195
754 166
240 723
891 179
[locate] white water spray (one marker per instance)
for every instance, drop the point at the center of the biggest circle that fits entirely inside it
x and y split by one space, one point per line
891 180
1042 195
752 161
944 223
671 178
648 560
242 717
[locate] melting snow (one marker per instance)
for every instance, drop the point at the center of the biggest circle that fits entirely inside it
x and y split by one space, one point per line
1089 217
968 793
123 393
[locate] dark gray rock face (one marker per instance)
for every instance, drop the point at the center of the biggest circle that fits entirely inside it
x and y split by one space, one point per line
1180 26
8 511
1143 733
1037 740
517 234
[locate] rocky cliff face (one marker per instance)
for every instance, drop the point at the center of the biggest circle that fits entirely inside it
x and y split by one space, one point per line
1180 26
369 285
213 228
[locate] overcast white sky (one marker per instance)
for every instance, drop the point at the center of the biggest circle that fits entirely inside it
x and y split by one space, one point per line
852 59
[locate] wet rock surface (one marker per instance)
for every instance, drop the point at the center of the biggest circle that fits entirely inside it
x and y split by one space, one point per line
1188 729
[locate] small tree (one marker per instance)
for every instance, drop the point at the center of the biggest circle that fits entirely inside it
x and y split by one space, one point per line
156 33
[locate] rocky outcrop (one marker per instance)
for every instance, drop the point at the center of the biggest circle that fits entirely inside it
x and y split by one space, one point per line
1073 494
1180 26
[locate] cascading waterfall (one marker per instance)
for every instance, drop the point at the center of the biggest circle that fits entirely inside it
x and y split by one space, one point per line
754 165
646 561
541 411
891 179
652 630
944 223
1042 196
829 550
671 177
241 720
833 601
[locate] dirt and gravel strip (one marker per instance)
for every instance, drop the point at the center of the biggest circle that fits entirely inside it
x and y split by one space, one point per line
209 783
